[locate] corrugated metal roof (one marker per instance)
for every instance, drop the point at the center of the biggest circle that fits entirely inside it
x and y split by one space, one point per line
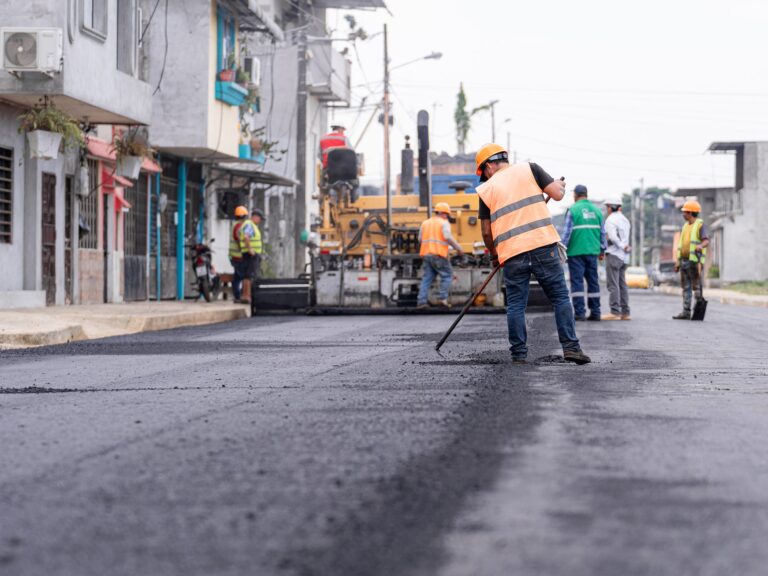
350 4
726 146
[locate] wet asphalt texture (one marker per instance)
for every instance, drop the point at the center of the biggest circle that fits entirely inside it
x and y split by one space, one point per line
345 446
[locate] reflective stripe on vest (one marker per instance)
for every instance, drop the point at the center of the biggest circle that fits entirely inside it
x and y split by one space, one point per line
235 241
432 239
520 220
256 245
695 241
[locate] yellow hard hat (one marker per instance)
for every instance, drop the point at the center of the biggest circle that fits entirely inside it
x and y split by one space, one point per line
485 153
443 207
691 206
241 211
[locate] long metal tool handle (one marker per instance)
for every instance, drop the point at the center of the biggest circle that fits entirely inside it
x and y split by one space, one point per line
466 307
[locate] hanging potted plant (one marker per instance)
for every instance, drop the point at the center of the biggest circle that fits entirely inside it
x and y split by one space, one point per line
131 147
47 127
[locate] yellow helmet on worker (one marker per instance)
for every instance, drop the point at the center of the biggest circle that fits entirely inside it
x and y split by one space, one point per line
443 207
691 206
241 211
489 152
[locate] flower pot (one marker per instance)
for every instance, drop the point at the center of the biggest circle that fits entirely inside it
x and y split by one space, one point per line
129 166
244 151
227 75
260 158
43 144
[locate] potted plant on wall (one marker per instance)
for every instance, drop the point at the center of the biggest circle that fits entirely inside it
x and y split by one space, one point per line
47 127
131 147
228 73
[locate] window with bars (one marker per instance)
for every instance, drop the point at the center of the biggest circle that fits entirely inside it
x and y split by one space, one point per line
6 195
89 210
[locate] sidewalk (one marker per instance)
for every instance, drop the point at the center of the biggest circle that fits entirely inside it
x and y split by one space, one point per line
61 324
722 296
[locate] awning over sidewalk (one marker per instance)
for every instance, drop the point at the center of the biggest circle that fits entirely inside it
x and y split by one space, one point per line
114 184
252 173
102 150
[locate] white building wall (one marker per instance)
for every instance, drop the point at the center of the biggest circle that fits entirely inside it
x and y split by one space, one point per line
12 255
743 257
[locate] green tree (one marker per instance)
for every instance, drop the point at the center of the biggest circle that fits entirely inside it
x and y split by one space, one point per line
463 120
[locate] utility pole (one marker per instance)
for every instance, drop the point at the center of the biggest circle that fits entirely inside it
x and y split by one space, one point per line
493 120
387 190
642 222
301 142
633 225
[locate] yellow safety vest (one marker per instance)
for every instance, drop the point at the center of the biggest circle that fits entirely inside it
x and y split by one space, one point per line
432 240
236 241
691 235
520 220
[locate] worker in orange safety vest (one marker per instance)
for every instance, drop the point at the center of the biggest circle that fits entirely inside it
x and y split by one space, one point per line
518 232
436 241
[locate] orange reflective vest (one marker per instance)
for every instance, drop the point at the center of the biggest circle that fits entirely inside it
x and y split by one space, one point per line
520 220
432 239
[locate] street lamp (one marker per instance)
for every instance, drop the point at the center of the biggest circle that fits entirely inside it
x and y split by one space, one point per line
387 70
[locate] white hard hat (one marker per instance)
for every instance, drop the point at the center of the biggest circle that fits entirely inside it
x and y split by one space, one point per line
613 201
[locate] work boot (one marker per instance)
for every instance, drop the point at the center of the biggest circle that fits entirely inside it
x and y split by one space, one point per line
422 307
576 356
593 318
579 318
682 316
519 361
626 317
444 303
611 317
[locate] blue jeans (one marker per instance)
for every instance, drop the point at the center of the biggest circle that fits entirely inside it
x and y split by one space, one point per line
242 272
544 264
582 267
435 266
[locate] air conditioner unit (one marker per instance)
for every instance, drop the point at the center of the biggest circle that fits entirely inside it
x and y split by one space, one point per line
253 69
32 49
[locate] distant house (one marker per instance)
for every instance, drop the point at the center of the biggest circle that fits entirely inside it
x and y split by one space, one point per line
736 216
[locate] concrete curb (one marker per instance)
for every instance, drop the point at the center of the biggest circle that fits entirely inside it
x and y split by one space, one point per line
92 327
722 296
49 337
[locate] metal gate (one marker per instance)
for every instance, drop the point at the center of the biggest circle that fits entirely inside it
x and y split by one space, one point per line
69 199
136 242
49 237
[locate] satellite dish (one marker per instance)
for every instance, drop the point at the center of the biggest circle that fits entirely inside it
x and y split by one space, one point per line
21 49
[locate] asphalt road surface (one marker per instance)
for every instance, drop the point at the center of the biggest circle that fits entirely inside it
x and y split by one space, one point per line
345 446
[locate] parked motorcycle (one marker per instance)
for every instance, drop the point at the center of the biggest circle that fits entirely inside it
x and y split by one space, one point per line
208 281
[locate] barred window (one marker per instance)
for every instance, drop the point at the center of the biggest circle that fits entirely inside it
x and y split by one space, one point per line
6 195
89 206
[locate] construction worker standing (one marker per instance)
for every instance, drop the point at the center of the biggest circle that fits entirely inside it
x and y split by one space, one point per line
253 231
585 238
691 253
241 251
617 232
436 241
336 138
518 232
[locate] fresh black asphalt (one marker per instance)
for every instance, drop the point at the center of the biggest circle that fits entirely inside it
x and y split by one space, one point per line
346 446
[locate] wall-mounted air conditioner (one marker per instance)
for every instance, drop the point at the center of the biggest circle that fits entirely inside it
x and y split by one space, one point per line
32 49
253 69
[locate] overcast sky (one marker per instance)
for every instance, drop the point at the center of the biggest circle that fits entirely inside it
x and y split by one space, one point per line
603 92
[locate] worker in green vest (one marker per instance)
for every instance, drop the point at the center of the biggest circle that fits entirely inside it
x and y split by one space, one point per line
691 253
241 253
584 235
254 232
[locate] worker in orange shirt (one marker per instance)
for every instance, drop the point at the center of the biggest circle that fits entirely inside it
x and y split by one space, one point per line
436 241
336 138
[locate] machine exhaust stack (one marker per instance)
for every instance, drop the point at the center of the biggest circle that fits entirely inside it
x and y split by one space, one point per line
406 168
425 165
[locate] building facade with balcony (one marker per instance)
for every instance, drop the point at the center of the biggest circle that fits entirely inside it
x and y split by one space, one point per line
92 68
